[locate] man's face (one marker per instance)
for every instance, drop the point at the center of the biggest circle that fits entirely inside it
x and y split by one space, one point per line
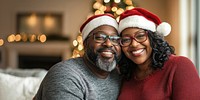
105 53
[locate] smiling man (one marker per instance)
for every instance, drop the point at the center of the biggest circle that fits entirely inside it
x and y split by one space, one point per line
93 76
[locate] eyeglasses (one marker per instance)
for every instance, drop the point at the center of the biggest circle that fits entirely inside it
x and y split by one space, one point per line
101 37
140 37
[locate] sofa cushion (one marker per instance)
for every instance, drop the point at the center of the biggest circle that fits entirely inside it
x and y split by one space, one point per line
25 72
18 88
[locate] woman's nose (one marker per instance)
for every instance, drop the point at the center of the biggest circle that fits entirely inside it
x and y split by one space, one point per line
134 43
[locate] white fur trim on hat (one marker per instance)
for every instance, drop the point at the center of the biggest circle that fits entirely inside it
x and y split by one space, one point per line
136 21
96 22
164 28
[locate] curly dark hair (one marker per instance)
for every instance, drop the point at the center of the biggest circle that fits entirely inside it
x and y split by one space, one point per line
161 50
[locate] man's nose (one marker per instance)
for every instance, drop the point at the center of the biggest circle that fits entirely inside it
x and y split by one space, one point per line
108 43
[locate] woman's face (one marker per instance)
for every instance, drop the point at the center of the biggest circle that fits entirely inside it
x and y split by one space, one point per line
139 52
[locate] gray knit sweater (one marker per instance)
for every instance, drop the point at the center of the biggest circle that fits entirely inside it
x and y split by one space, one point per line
72 80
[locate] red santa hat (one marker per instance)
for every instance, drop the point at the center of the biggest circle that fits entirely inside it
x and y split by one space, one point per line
96 21
141 18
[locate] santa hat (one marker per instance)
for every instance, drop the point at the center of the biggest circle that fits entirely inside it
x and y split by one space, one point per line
96 21
141 18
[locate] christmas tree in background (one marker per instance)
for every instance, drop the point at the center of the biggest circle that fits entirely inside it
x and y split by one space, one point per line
78 46
114 7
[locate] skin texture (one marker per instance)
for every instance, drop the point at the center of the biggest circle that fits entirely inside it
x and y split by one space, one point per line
142 56
106 52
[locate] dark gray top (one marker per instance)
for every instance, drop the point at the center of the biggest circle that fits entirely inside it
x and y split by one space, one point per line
72 80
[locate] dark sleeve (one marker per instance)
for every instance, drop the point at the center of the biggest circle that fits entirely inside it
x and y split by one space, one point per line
60 84
186 82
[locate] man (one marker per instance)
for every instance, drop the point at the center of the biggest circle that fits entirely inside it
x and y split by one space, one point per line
93 76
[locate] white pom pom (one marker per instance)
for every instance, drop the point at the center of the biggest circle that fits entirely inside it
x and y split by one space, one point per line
164 28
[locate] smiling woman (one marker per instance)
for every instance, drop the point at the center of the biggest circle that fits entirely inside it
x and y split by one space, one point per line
151 68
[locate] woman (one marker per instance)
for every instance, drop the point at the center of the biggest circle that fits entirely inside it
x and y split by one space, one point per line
151 70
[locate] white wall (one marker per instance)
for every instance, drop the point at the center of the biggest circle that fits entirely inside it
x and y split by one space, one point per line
198 36
74 13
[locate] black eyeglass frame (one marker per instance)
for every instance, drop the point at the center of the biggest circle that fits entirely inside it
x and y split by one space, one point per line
105 37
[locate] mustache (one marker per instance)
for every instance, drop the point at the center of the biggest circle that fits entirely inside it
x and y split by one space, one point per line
106 48
116 56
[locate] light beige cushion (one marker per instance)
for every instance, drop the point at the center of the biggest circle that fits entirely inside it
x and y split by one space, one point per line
24 72
18 88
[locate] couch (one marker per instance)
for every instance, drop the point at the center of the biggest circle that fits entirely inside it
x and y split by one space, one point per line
20 84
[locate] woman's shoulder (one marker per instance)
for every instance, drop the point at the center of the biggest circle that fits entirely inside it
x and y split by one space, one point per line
179 62
177 59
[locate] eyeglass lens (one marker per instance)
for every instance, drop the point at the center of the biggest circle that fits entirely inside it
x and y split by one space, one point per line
140 37
101 38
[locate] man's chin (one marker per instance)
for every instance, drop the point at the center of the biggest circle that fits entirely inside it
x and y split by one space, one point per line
106 64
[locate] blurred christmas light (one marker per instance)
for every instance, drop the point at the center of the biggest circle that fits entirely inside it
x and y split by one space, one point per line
106 1
117 1
97 5
119 11
98 12
1 42
102 8
49 22
79 39
32 38
75 43
11 38
80 47
114 9
129 7
18 37
32 21
24 37
43 38
129 2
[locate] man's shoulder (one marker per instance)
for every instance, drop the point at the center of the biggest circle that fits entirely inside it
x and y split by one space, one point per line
69 64
73 61
66 67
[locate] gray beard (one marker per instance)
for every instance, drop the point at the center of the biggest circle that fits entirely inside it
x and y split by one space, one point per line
101 63
105 65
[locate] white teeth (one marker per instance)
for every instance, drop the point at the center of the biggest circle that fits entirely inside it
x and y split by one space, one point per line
108 53
138 51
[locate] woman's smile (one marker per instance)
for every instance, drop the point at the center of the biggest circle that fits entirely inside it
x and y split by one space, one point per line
138 52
